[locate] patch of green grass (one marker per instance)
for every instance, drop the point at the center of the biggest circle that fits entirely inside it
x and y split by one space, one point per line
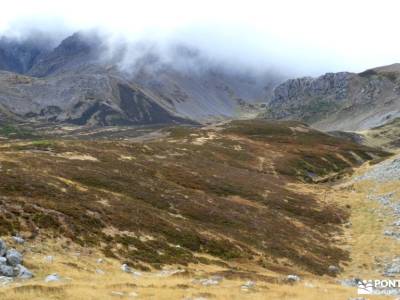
180 131
12 131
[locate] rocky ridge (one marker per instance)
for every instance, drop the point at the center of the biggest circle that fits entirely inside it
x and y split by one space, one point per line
340 101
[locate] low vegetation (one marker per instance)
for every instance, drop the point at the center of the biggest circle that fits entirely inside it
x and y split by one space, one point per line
223 192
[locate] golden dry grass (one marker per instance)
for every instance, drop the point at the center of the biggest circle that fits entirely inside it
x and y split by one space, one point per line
364 239
80 281
369 219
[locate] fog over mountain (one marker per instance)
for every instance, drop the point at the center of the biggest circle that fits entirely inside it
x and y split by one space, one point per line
295 37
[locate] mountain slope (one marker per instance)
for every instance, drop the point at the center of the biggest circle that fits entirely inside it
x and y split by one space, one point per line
93 98
166 201
386 136
80 82
340 101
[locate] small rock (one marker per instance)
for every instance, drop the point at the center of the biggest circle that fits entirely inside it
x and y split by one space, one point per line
5 280
388 233
125 268
205 281
52 278
309 285
133 294
100 272
208 282
393 269
23 272
248 285
166 273
3 248
119 294
14 258
49 259
334 270
353 282
99 261
217 278
213 280
7 271
293 278
3 260
18 239
136 273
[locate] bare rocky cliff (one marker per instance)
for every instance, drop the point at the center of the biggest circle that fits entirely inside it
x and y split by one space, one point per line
340 101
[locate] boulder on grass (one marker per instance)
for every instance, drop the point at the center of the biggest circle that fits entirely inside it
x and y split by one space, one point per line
14 258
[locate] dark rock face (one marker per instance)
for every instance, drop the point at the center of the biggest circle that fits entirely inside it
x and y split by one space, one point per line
74 50
17 56
140 110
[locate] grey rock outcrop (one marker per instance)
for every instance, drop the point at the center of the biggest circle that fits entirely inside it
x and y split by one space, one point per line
340 101
335 84
11 263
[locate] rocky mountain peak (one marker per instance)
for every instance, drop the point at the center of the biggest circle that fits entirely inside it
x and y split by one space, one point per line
74 45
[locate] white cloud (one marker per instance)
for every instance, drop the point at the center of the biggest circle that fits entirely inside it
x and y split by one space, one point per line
306 36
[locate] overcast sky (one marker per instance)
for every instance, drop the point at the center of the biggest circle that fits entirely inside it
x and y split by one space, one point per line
307 37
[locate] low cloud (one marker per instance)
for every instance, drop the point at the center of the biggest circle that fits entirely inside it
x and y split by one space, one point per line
306 37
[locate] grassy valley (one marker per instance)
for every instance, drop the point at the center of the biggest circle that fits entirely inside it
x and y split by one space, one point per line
217 196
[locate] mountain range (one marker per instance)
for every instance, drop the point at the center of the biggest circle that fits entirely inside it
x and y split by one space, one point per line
129 170
81 81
